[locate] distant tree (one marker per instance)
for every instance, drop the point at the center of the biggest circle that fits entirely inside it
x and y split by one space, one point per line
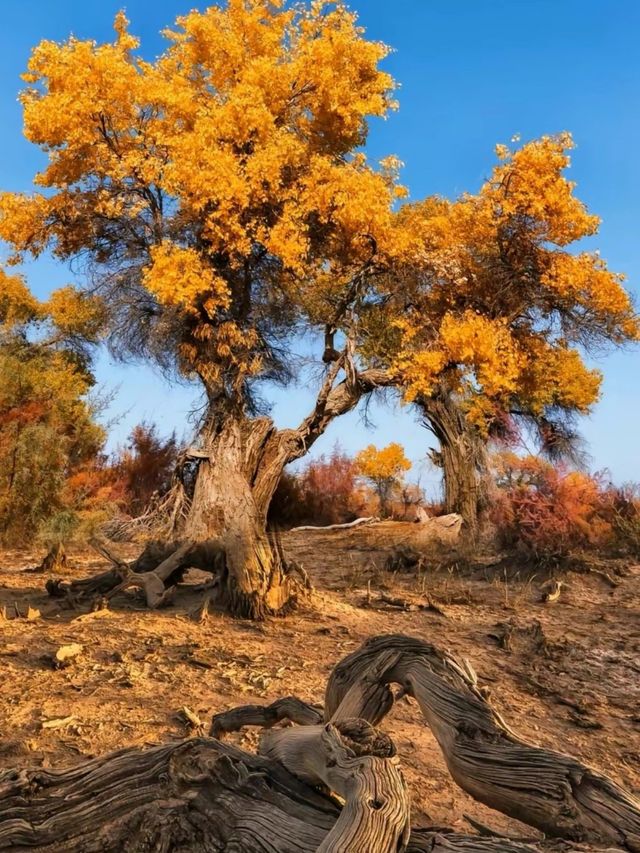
145 467
329 487
384 468
49 437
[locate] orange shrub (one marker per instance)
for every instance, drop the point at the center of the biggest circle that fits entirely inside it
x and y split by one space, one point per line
546 511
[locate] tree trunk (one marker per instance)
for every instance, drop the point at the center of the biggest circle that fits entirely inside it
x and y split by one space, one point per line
239 463
242 463
462 457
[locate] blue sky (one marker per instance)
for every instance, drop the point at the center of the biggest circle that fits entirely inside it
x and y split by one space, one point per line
472 74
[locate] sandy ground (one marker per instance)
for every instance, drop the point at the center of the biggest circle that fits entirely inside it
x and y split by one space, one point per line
567 676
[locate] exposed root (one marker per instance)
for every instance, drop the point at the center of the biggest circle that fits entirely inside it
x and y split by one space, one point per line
203 795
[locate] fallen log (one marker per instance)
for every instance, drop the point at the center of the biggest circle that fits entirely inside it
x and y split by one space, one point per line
205 795
370 519
548 790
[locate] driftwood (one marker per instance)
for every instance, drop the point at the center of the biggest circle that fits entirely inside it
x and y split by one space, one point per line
371 519
332 786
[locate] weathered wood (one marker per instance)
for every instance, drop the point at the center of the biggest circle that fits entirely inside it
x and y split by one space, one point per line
553 792
357 762
290 708
370 519
158 568
199 795
203 795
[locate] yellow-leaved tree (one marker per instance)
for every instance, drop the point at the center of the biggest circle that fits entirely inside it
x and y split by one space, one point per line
384 468
219 201
490 314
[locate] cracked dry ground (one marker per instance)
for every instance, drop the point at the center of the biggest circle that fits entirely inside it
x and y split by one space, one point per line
564 675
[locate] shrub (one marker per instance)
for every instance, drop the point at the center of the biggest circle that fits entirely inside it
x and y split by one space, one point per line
546 511
325 491
144 467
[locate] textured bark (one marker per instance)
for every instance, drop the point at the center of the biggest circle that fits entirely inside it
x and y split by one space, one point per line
462 457
290 708
240 461
233 490
203 795
357 762
552 792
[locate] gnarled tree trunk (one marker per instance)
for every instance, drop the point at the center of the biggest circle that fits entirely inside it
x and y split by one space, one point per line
462 457
241 464
239 461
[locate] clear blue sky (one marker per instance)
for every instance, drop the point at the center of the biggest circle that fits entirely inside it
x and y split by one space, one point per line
472 73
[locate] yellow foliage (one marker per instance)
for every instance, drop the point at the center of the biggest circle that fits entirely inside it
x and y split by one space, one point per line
75 313
386 463
498 306
235 145
179 276
17 304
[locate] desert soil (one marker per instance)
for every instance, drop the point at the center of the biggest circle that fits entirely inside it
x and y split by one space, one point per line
564 675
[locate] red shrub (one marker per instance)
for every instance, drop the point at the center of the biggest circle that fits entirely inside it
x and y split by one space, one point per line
324 492
547 512
144 467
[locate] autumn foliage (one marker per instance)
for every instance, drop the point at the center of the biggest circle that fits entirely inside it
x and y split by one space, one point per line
144 468
548 512
384 468
497 306
324 491
49 437
220 199
215 190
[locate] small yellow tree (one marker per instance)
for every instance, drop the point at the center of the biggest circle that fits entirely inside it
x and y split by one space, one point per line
384 469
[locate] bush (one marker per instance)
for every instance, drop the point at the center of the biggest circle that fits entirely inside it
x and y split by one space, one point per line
324 492
144 467
621 505
547 512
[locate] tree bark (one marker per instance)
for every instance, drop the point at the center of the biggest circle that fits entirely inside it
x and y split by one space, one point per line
462 457
240 461
552 792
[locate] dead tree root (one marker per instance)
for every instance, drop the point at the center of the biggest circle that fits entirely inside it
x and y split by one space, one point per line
332 786
161 566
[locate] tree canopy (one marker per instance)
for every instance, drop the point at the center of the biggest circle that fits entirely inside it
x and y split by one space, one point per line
498 309
221 206
384 468
217 194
